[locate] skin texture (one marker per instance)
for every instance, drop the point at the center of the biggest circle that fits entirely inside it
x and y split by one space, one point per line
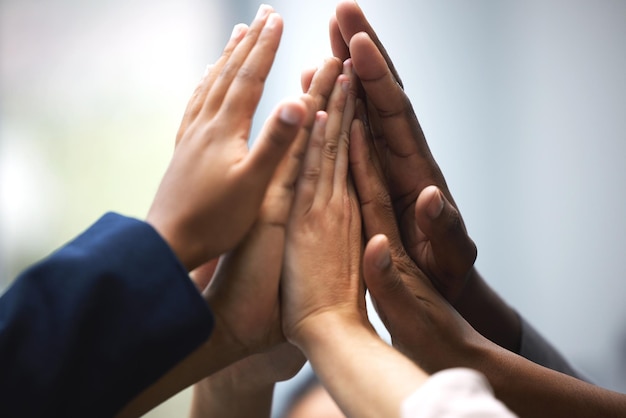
418 250
431 227
219 197
247 278
323 294
213 188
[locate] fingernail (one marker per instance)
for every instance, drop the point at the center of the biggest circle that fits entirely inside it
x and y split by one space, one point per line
347 66
263 11
290 116
435 207
383 261
345 84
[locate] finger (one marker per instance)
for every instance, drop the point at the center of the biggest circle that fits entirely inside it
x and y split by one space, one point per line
338 45
393 300
356 232
323 82
238 67
212 72
199 95
310 173
381 88
277 134
375 145
335 109
407 149
306 78
244 93
442 226
376 206
351 20
280 194
343 142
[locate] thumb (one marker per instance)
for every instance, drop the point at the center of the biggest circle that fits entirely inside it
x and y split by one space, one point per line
277 134
454 251
391 297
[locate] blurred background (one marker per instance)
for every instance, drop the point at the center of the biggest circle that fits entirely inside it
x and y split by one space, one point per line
523 104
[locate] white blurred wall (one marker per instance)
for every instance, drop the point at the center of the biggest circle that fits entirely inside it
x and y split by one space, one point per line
523 103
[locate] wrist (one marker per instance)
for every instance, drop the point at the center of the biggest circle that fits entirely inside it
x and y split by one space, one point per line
479 304
325 327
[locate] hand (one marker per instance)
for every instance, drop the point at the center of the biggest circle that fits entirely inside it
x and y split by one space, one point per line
244 294
243 290
431 332
323 294
321 271
211 193
438 244
406 161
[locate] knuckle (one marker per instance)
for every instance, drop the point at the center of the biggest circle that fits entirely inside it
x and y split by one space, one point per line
311 173
329 150
227 70
246 74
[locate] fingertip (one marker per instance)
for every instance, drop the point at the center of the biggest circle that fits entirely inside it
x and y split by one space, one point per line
382 261
433 201
292 112
306 78
377 254
278 133
239 30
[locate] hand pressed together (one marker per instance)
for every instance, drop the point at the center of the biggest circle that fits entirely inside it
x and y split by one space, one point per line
212 190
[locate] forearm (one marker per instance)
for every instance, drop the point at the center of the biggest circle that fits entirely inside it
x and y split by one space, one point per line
354 364
531 390
537 349
489 314
213 397
211 357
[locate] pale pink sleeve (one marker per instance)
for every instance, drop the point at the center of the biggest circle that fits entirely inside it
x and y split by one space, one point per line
457 393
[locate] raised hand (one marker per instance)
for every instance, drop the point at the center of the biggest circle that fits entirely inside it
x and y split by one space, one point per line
244 294
322 255
322 291
406 161
211 193
243 289
438 244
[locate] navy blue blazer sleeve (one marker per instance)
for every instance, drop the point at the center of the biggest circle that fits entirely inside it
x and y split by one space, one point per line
87 329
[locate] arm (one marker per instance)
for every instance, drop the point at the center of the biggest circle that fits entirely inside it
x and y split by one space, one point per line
425 327
95 342
325 305
411 172
255 266
78 329
244 293
324 294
